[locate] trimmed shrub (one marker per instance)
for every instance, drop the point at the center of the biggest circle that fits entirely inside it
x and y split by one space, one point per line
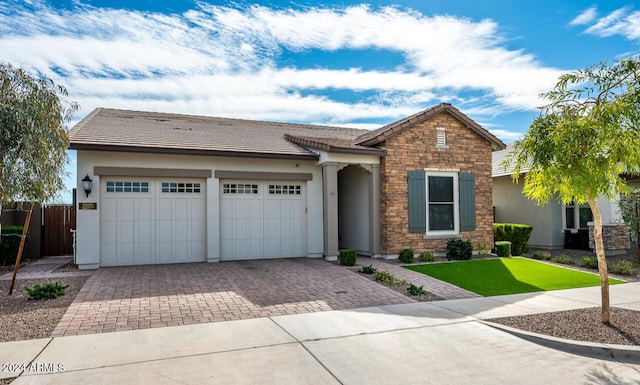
483 249
517 234
623 268
384 276
503 249
347 257
426 257
47 290
541 255
415 290
589 262
406 255
457 249
10 243
367 269
563 259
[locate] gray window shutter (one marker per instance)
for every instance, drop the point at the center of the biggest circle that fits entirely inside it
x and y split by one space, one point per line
417 202
467 187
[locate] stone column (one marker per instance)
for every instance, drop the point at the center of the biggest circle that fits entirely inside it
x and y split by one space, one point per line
330 210
374 211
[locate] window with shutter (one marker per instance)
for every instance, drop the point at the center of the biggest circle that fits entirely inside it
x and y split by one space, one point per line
441 203
417 202
467 201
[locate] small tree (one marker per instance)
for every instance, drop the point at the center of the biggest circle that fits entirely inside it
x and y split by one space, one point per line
33 138
581 143
630 211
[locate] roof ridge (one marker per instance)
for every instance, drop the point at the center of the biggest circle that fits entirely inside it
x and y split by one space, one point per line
209 118
391 129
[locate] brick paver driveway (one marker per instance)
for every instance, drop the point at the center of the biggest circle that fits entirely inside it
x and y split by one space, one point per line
138 297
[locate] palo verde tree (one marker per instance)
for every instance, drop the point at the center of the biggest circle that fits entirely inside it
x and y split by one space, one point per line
34 112
33 141
584 139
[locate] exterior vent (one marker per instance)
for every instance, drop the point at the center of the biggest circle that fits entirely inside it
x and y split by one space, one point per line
441 138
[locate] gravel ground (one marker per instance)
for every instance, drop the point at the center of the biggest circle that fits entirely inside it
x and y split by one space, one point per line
582 325
21 319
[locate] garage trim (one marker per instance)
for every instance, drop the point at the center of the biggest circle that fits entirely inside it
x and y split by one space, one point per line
257 175
155 172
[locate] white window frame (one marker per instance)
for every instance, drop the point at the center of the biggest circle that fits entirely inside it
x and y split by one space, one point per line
576 215
456 203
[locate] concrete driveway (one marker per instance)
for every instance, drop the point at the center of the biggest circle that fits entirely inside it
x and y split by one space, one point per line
140 297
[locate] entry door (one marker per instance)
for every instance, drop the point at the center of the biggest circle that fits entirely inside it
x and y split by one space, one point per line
262 219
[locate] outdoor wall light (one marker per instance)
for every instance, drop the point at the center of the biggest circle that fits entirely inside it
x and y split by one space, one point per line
87 184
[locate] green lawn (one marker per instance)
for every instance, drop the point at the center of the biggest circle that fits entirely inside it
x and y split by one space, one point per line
489 277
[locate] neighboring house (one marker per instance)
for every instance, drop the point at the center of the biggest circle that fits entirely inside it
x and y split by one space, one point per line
173 188
555 225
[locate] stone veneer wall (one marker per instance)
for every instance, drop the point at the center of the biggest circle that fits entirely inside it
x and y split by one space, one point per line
415 149
615 237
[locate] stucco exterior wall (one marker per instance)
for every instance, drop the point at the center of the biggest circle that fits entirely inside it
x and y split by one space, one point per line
415 149
512 206
353 208
88 221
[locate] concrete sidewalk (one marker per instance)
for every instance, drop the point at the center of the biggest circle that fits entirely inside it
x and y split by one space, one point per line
440 342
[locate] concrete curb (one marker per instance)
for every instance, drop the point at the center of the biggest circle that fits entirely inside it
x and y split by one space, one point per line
620 353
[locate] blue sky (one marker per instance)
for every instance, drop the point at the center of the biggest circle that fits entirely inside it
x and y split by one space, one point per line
342 63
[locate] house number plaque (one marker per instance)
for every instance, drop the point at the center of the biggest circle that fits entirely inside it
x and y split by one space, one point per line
88 205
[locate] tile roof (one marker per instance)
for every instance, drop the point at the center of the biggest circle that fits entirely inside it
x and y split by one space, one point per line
334 145
137 131
496 159
111 129
381 134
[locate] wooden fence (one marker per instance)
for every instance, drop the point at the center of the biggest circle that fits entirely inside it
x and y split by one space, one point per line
57 224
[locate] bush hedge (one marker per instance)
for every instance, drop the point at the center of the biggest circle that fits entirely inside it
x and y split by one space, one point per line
457 249
347 257
517 234
503 249
406 256
10 243
426 257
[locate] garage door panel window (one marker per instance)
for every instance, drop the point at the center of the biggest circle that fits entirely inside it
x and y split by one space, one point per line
280 189
127 186
180 187
239 188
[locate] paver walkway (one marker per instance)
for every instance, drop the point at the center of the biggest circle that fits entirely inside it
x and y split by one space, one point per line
138 297
44 268
442 289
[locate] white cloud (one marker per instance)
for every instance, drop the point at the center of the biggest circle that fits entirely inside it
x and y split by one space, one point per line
622 22
586 17
216 60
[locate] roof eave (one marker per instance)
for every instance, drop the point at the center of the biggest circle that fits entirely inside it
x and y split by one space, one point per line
183 151
376 151
305 142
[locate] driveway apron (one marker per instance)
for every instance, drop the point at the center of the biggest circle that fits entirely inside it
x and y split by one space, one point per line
139 297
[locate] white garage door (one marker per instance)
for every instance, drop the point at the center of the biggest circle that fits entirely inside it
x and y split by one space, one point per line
262 219
152 220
